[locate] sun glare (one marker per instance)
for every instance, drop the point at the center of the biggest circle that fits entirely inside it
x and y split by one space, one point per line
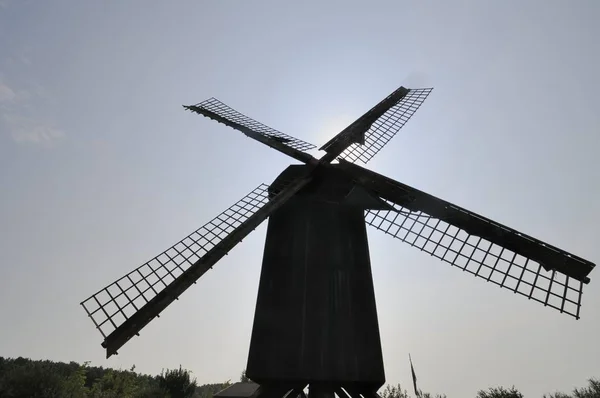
332 125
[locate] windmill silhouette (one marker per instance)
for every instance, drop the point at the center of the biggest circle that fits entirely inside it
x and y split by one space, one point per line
316 321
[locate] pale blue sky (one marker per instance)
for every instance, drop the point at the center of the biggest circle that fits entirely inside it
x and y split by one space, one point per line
101 169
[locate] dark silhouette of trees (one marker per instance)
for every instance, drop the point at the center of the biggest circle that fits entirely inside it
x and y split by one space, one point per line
591 391
500 392
26 378
396 391
29 380
208 390
244 378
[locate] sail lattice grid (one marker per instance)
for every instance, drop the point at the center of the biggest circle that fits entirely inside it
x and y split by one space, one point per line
117 302
213 107
386 126
480 257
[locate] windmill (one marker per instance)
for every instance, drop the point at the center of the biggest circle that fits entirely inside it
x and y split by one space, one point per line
316 322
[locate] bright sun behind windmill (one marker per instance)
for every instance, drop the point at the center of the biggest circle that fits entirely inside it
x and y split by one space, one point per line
316 321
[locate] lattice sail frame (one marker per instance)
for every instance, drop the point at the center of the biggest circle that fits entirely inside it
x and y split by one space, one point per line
220 109
480 257
113 305
386 126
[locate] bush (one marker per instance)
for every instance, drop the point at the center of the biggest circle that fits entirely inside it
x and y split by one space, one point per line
500 392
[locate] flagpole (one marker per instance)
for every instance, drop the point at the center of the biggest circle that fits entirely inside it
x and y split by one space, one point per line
414 377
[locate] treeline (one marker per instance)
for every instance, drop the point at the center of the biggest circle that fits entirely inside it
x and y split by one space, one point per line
26 378
592 390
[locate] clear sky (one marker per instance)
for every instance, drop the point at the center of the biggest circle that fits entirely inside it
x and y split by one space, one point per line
101 169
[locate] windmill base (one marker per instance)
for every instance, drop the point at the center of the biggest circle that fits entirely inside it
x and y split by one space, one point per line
315 390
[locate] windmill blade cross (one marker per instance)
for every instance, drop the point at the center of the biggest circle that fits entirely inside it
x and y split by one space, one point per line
124 307
474 243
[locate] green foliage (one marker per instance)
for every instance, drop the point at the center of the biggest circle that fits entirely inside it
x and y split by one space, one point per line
178 383
115 384
74 383
208 390
25 378
500 392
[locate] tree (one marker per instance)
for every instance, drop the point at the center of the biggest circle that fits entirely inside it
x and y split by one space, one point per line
591 391
428 395
27 380
209 390
115 384
397 392
500 392
74 383
394 392
177 382
152 390
244 378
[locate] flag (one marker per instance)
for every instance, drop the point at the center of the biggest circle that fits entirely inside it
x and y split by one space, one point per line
414 377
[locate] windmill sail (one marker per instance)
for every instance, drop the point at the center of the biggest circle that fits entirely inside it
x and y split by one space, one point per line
216 110
123 308
372 131
478 245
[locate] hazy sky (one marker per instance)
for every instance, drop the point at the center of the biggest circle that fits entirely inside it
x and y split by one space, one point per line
101 169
